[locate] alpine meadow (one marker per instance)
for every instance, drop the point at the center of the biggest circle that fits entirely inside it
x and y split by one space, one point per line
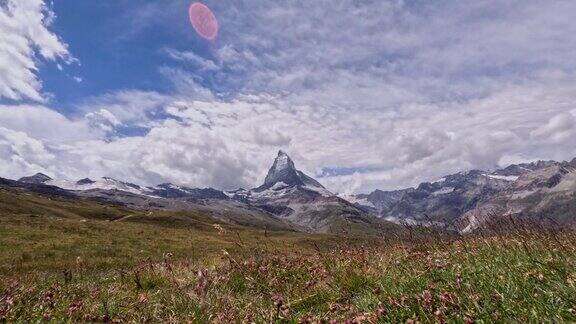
285 161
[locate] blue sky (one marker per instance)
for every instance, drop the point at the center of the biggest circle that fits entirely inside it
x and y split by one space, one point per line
113 51
363 94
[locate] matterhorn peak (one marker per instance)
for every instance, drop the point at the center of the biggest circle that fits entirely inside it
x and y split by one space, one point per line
284 172
283 161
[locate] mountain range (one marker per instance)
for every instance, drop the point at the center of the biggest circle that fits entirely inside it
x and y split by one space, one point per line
466 201
291 200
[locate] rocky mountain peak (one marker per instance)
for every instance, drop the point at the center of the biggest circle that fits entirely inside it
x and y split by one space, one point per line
38 178
284 172
282 162
85 181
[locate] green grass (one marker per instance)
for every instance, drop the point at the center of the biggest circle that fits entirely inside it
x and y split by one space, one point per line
178 267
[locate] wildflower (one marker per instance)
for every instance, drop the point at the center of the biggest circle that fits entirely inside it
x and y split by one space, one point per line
427 299
440 316
142 298
281 307
333 307
381 310
284 311
310 283
447 298
363 318
202 284
74 308
459 279
49 298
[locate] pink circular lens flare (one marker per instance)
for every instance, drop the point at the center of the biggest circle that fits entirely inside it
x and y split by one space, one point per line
204 21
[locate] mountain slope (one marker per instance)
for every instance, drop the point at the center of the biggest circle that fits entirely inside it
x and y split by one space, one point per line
441 201
294 196
38 178
469 200
225 211
546 194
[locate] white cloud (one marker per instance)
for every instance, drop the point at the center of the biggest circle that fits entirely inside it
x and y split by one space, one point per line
232 144
23 155
104 120
139 108
44 123
25 36
195 60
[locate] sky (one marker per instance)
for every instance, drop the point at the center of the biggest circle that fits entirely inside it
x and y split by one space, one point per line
363 94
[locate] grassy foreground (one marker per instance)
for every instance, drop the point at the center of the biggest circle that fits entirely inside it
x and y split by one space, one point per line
525 279
147 268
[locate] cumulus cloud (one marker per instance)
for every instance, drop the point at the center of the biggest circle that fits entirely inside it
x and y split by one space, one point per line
22 154
44 123
25 37
139 108
104 120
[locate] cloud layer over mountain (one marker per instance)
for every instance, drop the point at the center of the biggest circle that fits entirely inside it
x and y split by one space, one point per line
372 94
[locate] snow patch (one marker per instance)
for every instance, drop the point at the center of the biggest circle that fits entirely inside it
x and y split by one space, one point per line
443 191
500 177
279 186
319 190
522 194
282 162
412 222
360 201
102 183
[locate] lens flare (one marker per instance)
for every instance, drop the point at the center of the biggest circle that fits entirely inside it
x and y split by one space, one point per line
204 21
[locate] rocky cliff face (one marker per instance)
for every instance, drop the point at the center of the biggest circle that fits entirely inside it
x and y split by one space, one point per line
469 200
546 195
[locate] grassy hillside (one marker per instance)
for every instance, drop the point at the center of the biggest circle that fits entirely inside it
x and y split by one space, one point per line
82 261
40 232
